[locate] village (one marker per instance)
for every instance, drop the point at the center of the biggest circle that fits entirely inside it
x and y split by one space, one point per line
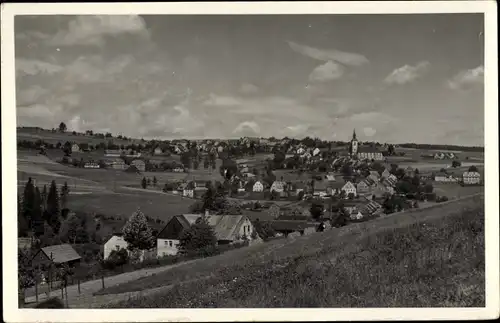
248 191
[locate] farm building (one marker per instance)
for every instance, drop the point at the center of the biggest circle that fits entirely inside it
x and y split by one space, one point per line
439 155
445 178
385 174
75 148
169 237
293 227
113 152
370 208
471 178
56 255
91 165
116 242
188 190
363 187
390 181
139 164
117 163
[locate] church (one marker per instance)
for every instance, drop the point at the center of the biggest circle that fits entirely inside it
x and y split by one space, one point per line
360 152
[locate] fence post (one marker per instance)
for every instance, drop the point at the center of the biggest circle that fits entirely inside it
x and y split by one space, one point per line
36 291
62 292
79 286
102 279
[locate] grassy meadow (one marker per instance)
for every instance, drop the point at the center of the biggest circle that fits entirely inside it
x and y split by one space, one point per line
427 258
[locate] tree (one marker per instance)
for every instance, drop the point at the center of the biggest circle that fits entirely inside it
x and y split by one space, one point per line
64 195
199 235
22 223
155 181
316 210
473 169
428 188
75 229
144 183
28 203
62 127
37 214
53 208
137 232
455 164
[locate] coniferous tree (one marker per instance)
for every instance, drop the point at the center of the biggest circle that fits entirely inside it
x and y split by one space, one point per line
199 235
44 198
144 183
28 203
22 223
53 208
64 195
37 214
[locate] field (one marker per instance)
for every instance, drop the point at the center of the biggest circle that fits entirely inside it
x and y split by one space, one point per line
53 138
430 258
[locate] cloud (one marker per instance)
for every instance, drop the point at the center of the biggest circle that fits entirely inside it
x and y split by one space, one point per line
34 67
369 131
407 73
247 128
222 101
326 72
467 78
91 30
326 55
248 88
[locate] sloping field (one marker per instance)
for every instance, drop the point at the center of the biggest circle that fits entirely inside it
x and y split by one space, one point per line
50 137
433 257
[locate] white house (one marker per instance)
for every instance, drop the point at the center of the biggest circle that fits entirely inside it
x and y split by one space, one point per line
300 151
349 188
139 164
258 187
91 165
316 151
75 148
158 151
278 186
471 178
116 242
444 178
188 190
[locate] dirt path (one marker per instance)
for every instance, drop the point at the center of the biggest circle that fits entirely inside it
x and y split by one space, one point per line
87 289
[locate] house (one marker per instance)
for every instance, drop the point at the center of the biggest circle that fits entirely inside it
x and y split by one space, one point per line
444 177
335 188
168 238
258 187
178 170
157 151
321 188
113 152
439 155
369 209
117 163
316 151
278 186
363 187
56 255
374 175
116 242
91 164
349 188
385 174
409 171
369 153
232 228
289 227
391 180
300 187
75 148
330 177
23 243
471 178
139 164
188 190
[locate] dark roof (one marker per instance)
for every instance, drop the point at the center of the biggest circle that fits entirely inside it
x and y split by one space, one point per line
61 253
174 228
132 169
368 149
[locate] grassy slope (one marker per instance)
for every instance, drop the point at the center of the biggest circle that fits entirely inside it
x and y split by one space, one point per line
425 258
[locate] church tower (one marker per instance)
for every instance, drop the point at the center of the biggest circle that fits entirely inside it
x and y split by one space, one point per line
354 144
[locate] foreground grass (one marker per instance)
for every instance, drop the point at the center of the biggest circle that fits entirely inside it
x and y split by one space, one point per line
429 259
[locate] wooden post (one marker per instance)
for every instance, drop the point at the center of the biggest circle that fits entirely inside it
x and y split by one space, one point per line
66 288
79 286
62 292
36 291
102 279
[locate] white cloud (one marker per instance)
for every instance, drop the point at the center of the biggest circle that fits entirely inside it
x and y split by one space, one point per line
329 54
222 101
90 30
467 78
35 67
369 131
247 128
248 88
326 72
407 73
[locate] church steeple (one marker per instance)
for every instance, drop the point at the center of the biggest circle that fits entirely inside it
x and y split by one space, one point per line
354 134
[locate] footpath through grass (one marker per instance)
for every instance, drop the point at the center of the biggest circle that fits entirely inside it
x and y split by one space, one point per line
434 258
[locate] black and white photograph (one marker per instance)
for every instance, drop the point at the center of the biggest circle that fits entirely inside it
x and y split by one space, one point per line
258 159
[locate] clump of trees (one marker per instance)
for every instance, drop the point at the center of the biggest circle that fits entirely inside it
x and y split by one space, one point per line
199 236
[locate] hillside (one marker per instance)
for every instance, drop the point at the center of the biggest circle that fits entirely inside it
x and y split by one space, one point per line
425 258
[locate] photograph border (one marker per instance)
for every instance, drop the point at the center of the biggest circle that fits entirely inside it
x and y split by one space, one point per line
9 162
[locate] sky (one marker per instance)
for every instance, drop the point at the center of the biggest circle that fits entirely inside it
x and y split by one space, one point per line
394 78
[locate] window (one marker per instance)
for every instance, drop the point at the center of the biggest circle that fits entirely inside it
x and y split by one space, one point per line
170 243
117 247
166 242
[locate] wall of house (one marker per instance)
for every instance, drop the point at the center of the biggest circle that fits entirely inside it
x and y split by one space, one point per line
167 247
114 243
246 228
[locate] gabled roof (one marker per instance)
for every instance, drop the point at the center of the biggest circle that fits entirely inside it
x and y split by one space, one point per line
60 253
226 226
471 174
